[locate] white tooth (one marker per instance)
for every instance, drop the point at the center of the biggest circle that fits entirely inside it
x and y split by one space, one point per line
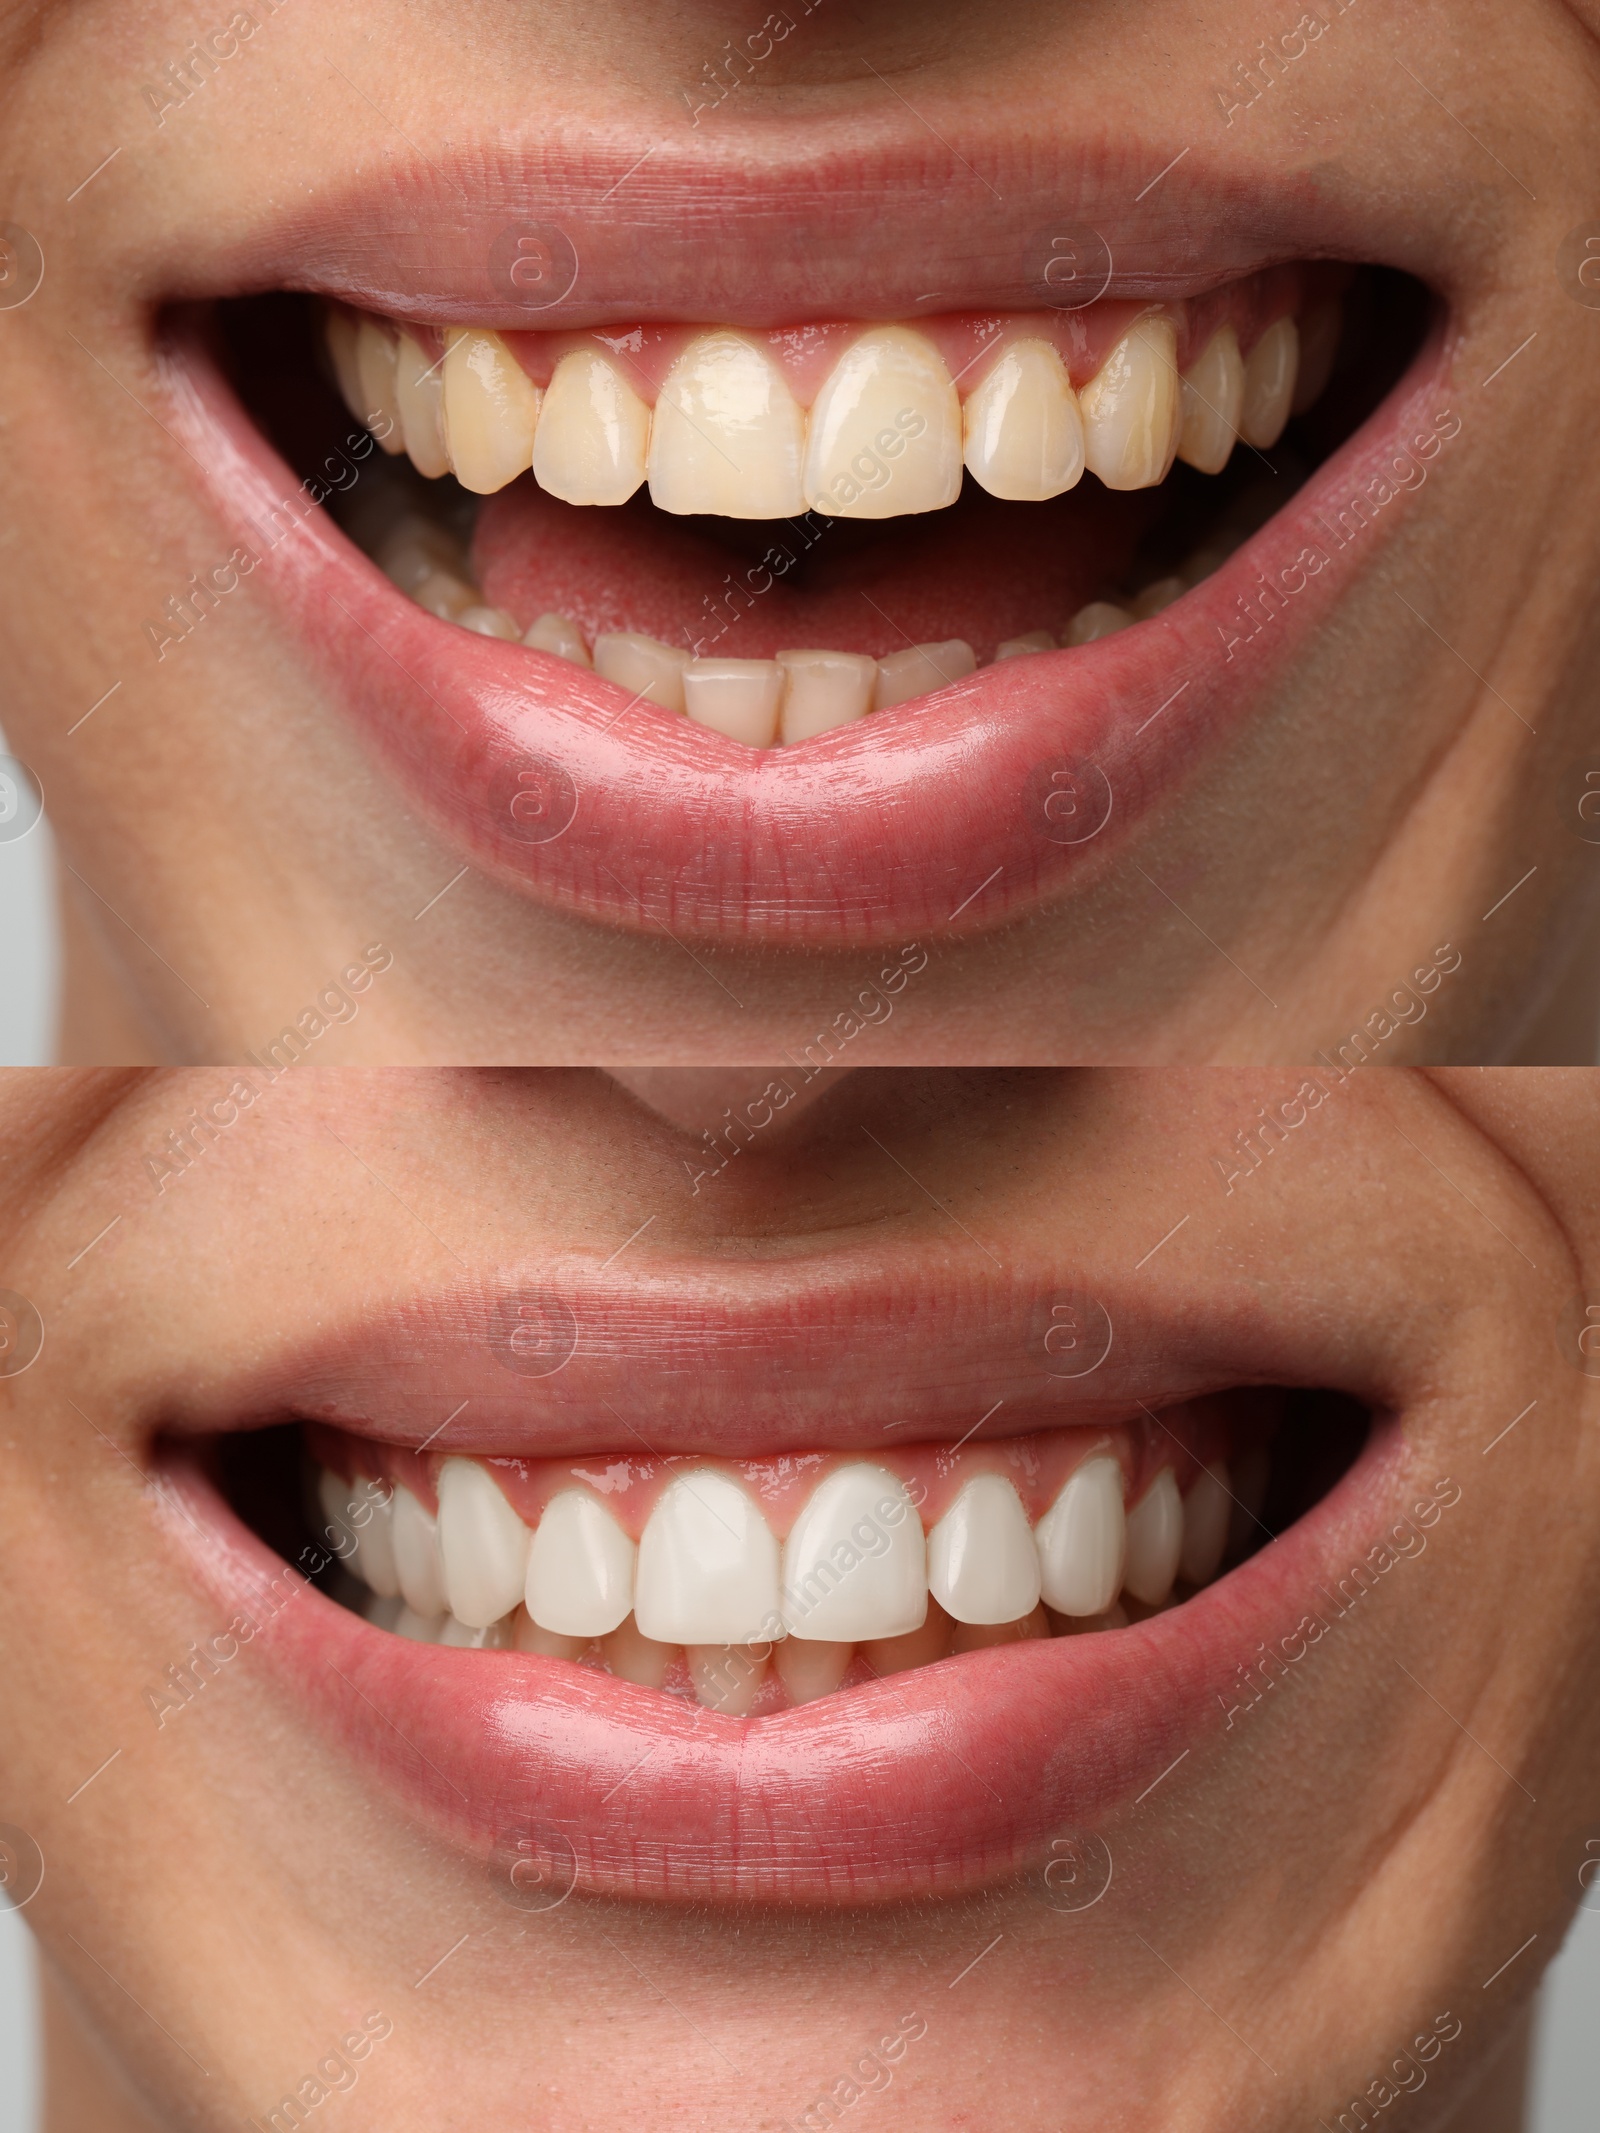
1269 377
728 435
708 1565
917 1647
333 1496
637 1658
884 437
808 1669
375 366
413 549
492 1637
982 1564
366 1514
417 1562
1023 430
1130 407
643 666
483 1542
419 396
1319 332
1080 1541
1019 647
1155 1541
490 622
1206 1511
593 429
1211 399
421 1629
580 1568
554 633
920 669
445 595
983 1636
727 1677
527 1636
343 333
1101 618
823 690
491 410
1160 593
855 1562
738 697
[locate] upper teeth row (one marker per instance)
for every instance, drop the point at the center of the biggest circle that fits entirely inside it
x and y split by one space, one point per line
888 433
707 1570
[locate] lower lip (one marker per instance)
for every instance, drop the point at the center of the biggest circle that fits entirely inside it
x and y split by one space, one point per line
940 819
929 1783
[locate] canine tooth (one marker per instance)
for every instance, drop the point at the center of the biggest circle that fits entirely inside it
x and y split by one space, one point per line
708 1564
809 1669
1101 618
632 1656
982 1564
738 697
491 410
982 1636
419 396
445 596
916 1647
728 436
1081 1539
375 367
580 1568
589 447
372 1557
1019 647
1269 384
1130 407
884 437
855 1562
1319 331
483 1542
1210 403
554 633
1161 593
727 1677
1024 434
823 690
527 1636
1206 1511
1154 1541
920 669
417 1562
490 622
343 333
644 667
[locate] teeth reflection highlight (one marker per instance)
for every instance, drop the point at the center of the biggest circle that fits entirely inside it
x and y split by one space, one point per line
580 1568
728 435
885 430
491 410
982 1564
855 1562
593 432
708 1564
483 1542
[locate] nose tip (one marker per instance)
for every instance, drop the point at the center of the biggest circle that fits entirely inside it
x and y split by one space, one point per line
695 1099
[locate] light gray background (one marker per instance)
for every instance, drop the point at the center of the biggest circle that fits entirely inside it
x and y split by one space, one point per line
1566 2087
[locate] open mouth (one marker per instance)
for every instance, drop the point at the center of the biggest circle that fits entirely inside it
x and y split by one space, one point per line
817 633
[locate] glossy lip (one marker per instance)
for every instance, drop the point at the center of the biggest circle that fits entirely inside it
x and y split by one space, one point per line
925 1784
943 818
953 1777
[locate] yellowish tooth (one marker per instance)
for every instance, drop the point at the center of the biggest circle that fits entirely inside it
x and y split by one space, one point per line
527 1636
1319 331
375 366
645 667
1101 618
632 1656
1269 378
554 633
809 1668
738 697
1019 647
1212 397
920 669
1158 595
593 432
446 596
728 436
343 333
823 690
727 1677
419 396
416 548
1024 435
490 622
1130 407
884 438
491 410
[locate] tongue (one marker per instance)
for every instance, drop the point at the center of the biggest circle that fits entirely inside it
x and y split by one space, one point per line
983 571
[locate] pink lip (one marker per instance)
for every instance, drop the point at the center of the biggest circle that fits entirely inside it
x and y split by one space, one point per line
925 1784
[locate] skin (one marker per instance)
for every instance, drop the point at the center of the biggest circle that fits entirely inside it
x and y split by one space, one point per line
1321 1883
231 842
